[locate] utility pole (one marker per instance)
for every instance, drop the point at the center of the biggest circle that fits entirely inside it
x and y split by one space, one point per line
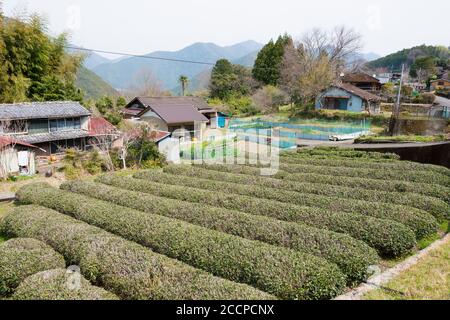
393 127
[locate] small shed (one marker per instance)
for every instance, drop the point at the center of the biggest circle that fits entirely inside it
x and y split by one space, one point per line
16 157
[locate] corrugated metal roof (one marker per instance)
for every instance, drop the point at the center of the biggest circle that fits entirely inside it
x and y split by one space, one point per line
54 136
6 141
100 126
41 110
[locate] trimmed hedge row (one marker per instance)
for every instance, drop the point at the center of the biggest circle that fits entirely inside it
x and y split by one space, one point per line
296 158
283 272
348 153
433 190
120 266
220 181
352 256
389 238
53 285
267 201
22 257
411 176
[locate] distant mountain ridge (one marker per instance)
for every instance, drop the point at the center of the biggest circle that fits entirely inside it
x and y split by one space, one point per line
122 74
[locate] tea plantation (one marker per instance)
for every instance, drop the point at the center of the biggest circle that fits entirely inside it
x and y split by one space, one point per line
314 229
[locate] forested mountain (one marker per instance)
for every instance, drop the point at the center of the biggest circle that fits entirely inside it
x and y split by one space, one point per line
126 72
92 85
408 56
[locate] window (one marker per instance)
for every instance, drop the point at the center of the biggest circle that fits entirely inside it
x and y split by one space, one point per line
77 123
14 127
38 126
53 125
70 123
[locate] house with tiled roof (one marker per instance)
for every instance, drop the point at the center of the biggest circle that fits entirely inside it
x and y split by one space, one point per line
362 80
349 98
52 127
168 114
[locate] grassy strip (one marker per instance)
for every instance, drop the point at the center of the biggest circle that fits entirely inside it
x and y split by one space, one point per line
411 176
427 280
285 273
120 266
20 258
401 138
53 285
296 158
289 192
432 190
389 238
270 200
352 256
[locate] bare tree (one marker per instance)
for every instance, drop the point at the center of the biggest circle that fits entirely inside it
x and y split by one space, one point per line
146 84
316 61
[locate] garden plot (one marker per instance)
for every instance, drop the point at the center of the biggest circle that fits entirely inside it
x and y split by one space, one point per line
225 232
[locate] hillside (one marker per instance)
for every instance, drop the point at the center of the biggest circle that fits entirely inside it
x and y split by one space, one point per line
408 56
122 74
93 86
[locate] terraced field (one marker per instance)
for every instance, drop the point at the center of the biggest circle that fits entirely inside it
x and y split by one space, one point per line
311 231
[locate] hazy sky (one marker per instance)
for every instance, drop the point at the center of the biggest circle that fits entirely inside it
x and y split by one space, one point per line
138 26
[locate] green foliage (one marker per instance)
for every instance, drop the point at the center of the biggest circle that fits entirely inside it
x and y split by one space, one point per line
336 152
423 64
420 176
120 266
78 163
142 151
53 285
370 230
20 258
268 62
34 65
400 138
273 269
228 80
353 261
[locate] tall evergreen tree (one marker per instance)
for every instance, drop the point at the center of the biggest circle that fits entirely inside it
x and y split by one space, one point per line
268 62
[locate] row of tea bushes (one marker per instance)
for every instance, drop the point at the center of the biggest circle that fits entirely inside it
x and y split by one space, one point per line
120 266
389 238
21 258
352 256
187 175
57 284
296 158
348 153
286 273
407 175
268 202
433 190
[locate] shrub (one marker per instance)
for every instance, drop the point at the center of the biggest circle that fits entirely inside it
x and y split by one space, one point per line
291 202
353 260
289 157
388 237
120 266
20 258
289 189
411 176
54 285
286 273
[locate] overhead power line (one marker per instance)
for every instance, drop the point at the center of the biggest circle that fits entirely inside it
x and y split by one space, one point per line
141 56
